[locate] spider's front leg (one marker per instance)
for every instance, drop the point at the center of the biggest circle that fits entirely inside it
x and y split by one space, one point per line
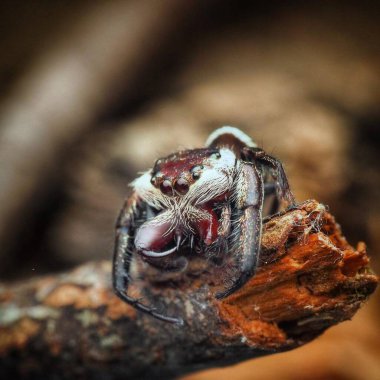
249 198
124 248
276 170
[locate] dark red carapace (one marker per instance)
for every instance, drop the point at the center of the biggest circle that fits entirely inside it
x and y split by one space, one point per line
175 174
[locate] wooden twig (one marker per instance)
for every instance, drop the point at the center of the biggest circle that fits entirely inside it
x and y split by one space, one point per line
72 325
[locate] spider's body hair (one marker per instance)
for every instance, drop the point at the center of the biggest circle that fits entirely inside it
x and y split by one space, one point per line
217 179
212 198
230 137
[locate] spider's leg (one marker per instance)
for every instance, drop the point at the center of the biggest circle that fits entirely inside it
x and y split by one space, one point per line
270 190
276 169
225 221
122 260
247 228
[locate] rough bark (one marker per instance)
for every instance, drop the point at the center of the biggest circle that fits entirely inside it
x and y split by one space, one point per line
72 325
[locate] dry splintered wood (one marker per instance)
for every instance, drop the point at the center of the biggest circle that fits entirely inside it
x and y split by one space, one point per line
72 324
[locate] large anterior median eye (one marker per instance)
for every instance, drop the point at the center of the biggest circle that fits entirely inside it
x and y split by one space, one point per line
166 187
196 171
181 186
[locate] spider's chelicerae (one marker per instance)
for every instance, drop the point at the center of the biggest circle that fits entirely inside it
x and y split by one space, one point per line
204 199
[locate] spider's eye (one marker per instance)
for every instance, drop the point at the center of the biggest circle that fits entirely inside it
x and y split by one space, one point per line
196 171
166 187
156 178
181 186
215 155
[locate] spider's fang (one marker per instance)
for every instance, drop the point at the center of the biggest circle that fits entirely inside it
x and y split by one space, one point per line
154 254
178 241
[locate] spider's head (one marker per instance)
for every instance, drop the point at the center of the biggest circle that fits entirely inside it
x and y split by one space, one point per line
184 188
179 172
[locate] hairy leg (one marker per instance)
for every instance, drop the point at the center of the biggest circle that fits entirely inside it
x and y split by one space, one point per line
124 247
247 227
276 169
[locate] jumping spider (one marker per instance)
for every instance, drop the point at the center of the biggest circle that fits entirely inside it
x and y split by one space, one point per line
204 198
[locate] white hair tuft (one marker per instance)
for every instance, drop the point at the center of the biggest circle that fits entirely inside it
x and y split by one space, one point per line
228 130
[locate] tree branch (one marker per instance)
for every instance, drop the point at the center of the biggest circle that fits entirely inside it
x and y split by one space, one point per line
72 325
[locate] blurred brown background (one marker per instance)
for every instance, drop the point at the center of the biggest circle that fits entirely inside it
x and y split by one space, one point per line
94 91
